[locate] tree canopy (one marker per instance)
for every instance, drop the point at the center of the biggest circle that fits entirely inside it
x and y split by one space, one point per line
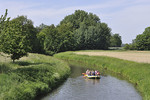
142 41
78 31
115 40
14 39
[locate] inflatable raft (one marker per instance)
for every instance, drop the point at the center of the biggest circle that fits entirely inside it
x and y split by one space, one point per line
91 76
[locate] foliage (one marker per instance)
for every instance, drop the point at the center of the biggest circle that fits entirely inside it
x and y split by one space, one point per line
80 30
92 37
115 40
80 16
3 21
19 37
31 32
136 73
89 32
14 40
36 75
56 39
142 41
130 46
66 37
40 27
40 38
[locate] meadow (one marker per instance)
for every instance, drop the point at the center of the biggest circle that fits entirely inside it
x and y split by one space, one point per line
135 72
137 56
30 76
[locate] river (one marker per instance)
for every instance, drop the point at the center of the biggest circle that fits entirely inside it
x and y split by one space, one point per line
107 88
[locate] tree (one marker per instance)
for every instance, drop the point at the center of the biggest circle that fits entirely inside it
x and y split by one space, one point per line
130 46
89 32
57 39
80 16
92 37
79 36
40 27
3 21
31 32
142 41
14 39
66 35
50 38
127 46
80 30
115 40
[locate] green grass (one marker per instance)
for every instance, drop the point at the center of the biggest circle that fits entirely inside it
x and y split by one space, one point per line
136 73
31 76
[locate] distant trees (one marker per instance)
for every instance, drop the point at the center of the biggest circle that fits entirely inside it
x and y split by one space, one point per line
142 41
78 31
81 30
88 31
115 40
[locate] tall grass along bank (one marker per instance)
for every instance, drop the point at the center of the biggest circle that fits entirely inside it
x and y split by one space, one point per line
31 76
136 73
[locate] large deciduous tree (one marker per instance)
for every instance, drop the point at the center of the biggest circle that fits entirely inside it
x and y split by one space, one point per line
81 30
56 39
89 32
14 39
31 32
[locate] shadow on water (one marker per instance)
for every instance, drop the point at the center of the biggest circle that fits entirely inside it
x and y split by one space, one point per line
107 88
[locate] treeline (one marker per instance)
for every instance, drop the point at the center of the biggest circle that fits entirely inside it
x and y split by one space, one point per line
78 31
142 41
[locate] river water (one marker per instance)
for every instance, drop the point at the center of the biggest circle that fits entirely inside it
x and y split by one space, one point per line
107 88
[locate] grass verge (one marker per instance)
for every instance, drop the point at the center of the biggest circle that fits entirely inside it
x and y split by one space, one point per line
31 76
136 73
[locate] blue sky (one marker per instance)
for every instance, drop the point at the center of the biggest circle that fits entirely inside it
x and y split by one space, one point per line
126 17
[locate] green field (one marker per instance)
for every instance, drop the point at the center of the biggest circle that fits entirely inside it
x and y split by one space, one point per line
30 76
137 56
136 73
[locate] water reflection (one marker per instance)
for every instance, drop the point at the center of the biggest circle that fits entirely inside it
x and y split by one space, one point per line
92 81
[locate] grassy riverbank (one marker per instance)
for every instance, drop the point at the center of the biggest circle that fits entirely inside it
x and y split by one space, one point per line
31 76
136 73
